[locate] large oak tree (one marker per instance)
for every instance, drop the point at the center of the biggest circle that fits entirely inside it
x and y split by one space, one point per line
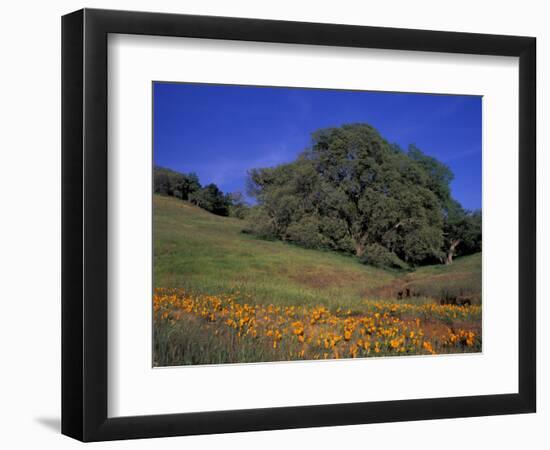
354 192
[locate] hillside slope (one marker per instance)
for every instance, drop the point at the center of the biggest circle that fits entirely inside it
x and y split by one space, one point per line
205 253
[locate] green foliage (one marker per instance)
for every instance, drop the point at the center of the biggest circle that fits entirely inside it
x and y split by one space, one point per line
170 182
188 187
379 256
439 175
238 206
462 232
211 199
306 232
260 224
351 190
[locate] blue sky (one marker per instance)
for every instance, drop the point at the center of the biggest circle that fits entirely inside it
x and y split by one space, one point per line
219 132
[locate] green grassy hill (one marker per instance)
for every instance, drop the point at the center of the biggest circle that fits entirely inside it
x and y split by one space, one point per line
205 253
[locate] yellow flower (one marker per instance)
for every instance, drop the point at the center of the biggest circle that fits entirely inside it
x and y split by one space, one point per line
381 326
428 347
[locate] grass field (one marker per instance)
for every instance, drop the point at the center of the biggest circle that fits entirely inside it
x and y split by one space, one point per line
225 296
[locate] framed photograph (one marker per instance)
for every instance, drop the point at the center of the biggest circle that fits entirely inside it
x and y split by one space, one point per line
273 224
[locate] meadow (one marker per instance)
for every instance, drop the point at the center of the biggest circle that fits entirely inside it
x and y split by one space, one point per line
223 296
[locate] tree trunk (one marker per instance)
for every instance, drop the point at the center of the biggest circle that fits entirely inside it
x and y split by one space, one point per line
451 251
359 250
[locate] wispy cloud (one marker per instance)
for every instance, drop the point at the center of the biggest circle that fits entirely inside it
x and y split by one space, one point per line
224 171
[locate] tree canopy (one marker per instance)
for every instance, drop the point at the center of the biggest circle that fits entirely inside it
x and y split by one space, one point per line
176 184
353 192
188 187
212 199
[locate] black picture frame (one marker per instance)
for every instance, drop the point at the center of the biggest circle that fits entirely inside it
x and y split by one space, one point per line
84 224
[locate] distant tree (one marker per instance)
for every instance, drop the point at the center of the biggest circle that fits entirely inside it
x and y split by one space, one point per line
186 186
462 232
170 182
211 199
162 181
238 207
